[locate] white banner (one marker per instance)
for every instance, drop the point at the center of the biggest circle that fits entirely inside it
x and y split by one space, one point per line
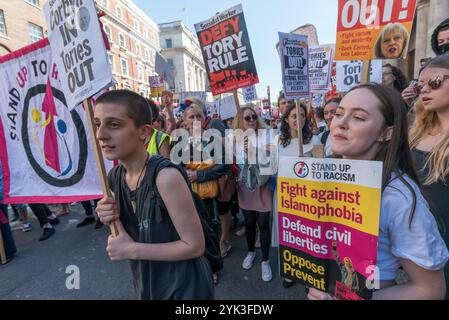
200 95
249 93
293 51
320 68
45 148
78 48
227 108
156 82
349 74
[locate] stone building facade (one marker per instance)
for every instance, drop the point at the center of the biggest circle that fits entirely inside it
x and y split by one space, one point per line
180 47
133 35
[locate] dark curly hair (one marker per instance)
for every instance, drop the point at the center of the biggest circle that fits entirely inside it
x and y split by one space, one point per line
286 135
400 83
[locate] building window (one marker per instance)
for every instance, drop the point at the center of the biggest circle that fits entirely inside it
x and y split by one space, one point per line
147 55
107 30
153 38
136 25
170 62
35 2
140 73
145 33
168 43
138 52
121 40
124 66
111 61
36 33
104 3
2 24
118 12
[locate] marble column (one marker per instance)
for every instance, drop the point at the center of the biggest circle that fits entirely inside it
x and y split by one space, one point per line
422 38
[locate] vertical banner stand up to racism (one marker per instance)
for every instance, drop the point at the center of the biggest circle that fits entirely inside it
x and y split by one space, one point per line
99 157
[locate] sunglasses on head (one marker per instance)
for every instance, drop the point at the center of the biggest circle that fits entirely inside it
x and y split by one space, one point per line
249 118
434 83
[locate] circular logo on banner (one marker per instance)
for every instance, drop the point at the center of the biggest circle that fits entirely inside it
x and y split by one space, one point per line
46 139
301 169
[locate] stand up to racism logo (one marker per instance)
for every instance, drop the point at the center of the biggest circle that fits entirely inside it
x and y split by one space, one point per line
46 150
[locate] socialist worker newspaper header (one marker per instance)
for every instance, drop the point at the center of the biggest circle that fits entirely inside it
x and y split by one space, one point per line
226 50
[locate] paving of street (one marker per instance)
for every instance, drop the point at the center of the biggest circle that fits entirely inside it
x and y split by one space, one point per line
38 270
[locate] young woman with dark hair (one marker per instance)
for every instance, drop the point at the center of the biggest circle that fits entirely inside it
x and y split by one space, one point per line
371 124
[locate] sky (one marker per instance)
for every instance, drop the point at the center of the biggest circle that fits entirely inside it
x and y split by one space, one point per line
264 19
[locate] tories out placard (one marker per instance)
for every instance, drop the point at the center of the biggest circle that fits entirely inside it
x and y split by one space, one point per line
293 51
349 74
226 50
78 48
320 68
328 224
374 29
249 94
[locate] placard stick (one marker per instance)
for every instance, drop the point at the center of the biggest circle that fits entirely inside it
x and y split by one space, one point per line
366 66
298 122
98 157
236 100
2 250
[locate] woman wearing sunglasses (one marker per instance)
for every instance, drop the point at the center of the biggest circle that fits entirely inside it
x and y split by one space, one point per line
256 201
429 138
371 124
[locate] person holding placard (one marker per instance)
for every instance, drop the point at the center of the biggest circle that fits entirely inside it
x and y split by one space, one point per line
429 138
205 174
162 250
371 124
288 146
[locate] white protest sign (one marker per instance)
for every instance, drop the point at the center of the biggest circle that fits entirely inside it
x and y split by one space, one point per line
250 93
200 95
212 108
227 108
293 51
156 82
78 48
320 68
349 74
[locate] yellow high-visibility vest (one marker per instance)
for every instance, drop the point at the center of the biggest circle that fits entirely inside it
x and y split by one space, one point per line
157 138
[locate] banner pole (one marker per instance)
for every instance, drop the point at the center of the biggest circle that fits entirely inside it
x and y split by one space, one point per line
99 157
236 100
2 250
366 66
298 122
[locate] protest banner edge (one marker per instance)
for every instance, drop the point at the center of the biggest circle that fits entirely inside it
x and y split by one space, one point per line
98 157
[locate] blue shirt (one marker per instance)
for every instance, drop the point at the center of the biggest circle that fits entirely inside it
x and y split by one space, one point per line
422 243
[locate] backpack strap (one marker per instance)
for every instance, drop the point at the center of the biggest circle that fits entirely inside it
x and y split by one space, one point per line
114 178
324 137
156 164
159 137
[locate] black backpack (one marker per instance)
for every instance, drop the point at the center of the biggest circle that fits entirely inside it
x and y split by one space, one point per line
212 251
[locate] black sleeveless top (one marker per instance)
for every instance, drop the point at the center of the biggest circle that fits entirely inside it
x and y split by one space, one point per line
158 280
